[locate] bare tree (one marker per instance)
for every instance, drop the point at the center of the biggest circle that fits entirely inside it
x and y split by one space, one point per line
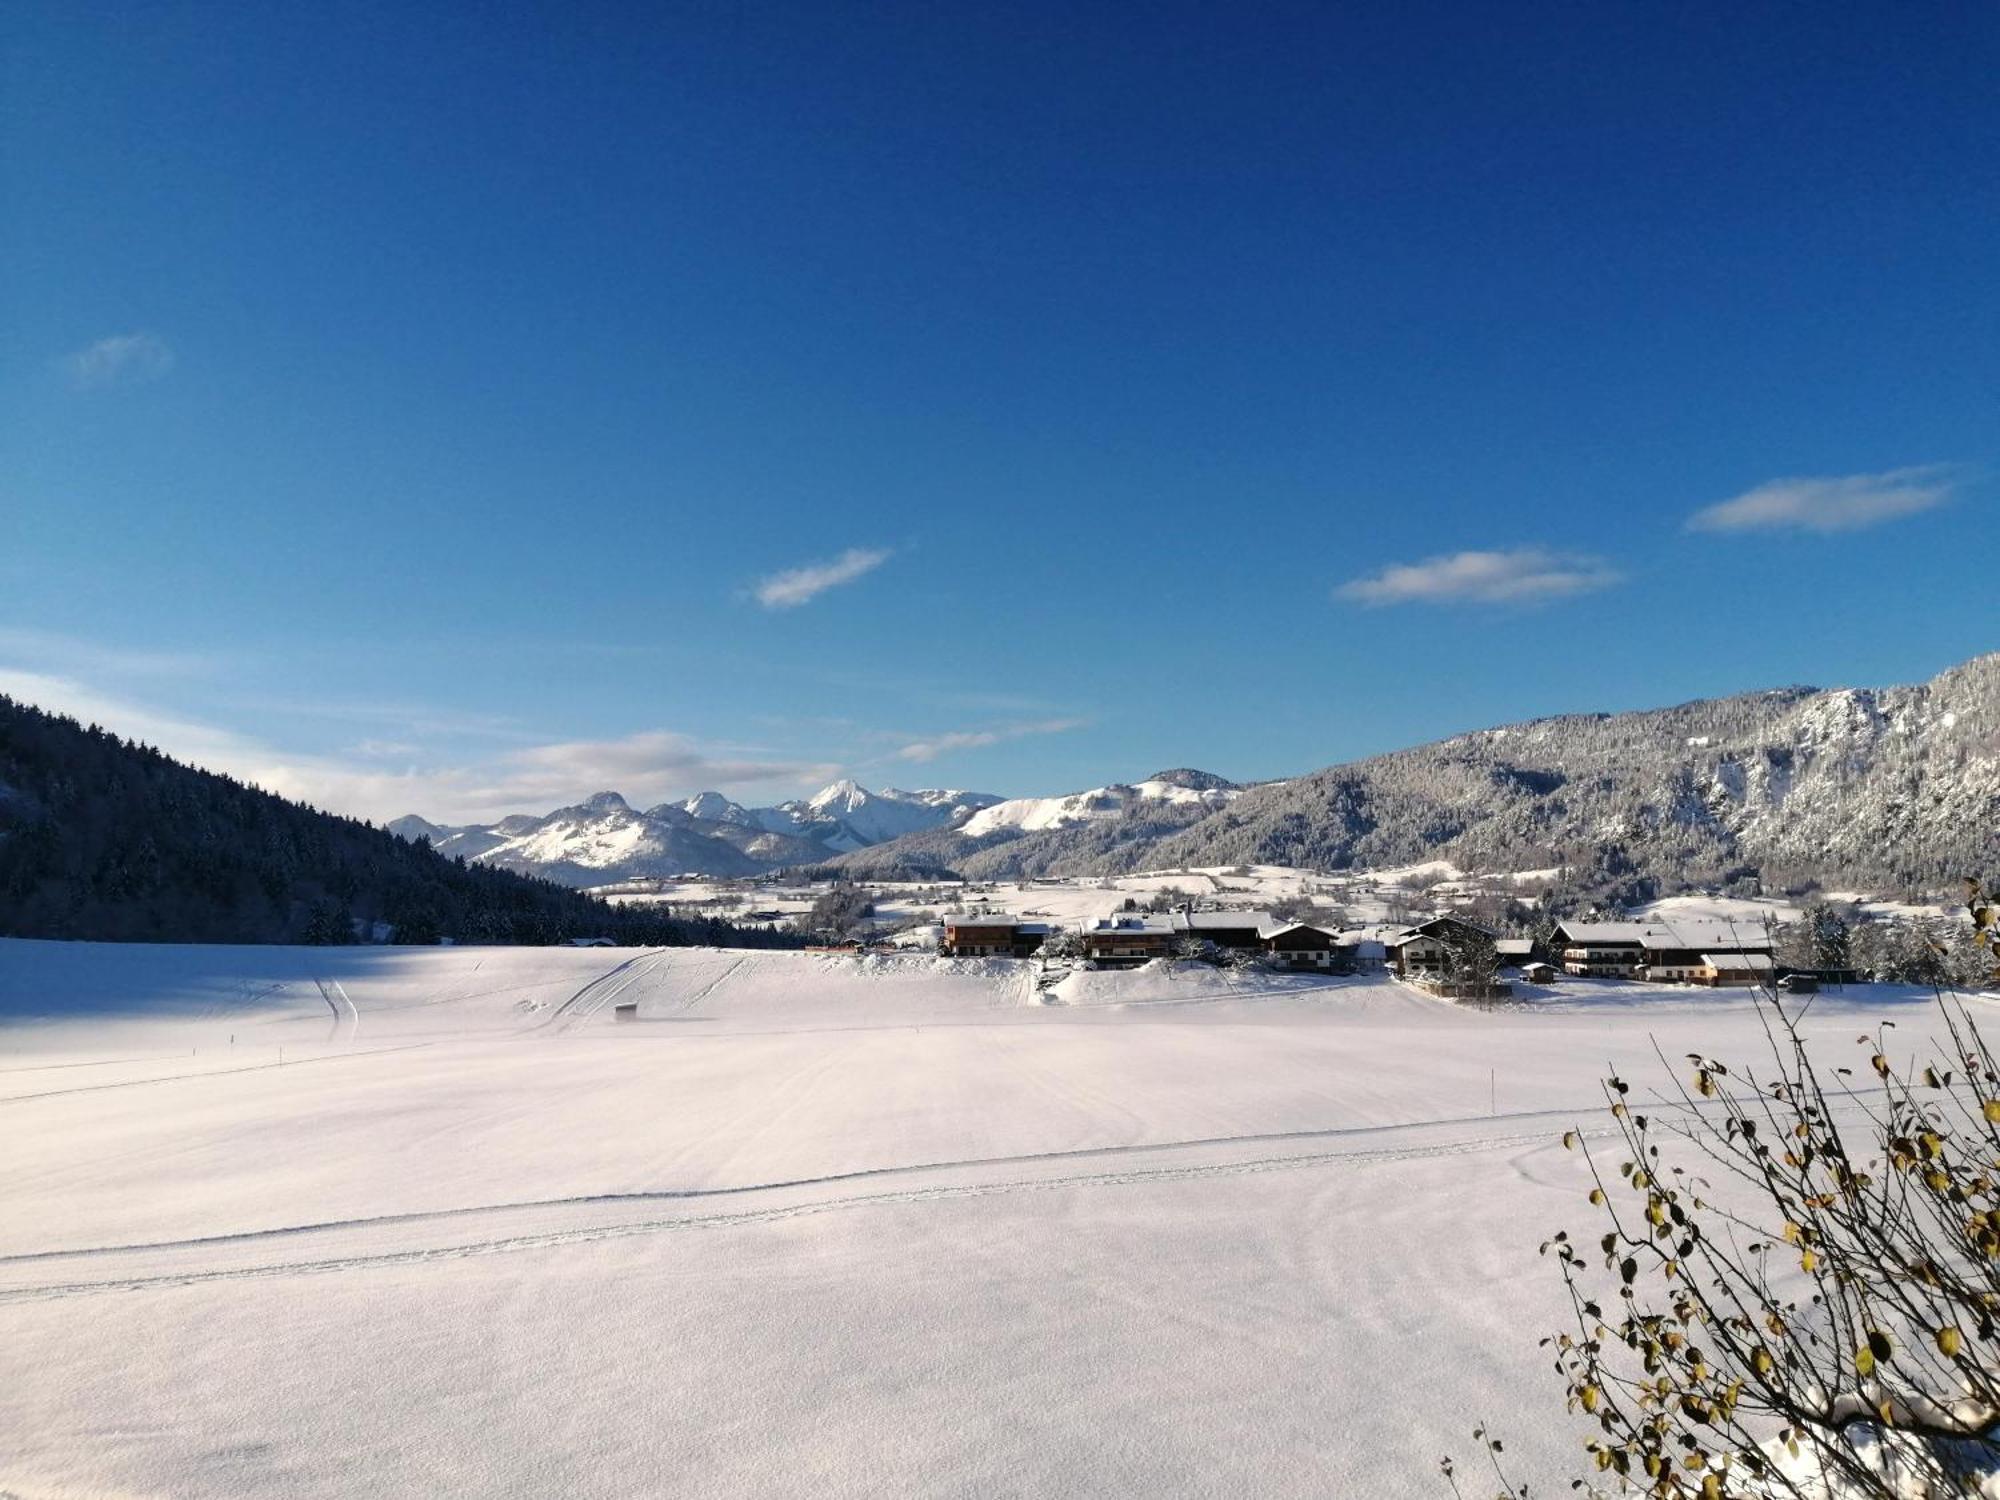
1816 1310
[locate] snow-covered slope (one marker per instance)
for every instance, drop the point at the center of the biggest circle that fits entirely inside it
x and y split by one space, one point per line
711 807
603 839
1896 785
1031 814
1094 832
1877 786
804 1228
866 817
1883 786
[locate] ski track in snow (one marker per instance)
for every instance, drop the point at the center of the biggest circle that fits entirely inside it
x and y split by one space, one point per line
592 997
346 1018
600 1205
729 972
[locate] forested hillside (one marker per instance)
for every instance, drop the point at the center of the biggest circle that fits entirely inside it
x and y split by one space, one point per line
106 839
1889 788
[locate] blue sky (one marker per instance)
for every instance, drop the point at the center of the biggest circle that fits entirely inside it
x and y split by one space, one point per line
462 409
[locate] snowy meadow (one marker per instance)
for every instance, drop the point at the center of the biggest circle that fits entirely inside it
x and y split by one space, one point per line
328 1222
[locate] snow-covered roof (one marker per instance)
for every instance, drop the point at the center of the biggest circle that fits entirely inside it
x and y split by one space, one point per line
1199 921
1268 929
1513 947
1721 939
981 919
1737 960
1606 932
1132 921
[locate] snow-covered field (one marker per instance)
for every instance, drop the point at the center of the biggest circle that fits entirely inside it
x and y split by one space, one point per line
808 1226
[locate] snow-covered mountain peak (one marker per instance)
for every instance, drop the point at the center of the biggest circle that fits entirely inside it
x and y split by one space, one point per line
715 808
604 837
1188 778
841 796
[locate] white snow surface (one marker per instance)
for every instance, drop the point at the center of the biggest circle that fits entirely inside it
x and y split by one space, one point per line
867 817
1031 814
807 1226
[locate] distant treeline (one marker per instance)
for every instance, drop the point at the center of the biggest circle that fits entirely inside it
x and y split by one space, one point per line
103 838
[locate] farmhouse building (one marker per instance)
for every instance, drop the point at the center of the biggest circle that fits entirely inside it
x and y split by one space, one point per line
1734 968
1297 945
990 935
1672 953
1426 949
1126 939
1612 950
1226 929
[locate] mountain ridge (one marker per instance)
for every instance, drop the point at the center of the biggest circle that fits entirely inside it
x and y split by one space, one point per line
603 838
1895 786
1890 786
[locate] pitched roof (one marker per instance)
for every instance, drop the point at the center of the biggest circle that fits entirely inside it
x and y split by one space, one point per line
1737 960
1722 939
1604 932
1422 928
1200 920
1269 929
1131 921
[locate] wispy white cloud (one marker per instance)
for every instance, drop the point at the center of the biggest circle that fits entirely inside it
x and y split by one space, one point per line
796 586
973 739
647 767
1845 503
374 781
53 651
1515 575
121 359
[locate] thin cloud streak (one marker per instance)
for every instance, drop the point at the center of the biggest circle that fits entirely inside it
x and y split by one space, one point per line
1831 504
122 359
922 751
1516 575
52 651
796 586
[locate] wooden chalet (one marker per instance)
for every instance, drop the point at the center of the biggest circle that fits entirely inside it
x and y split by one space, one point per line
1226 929
1128 939
991 935
1680 955
1425 949
1613 950
1298 945
1735 968
1672 953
